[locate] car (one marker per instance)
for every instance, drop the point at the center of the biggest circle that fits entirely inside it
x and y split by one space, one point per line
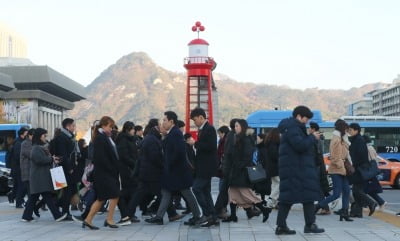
390 171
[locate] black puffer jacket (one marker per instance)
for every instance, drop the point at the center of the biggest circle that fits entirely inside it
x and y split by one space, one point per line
242 157
299 182
127 152
150 157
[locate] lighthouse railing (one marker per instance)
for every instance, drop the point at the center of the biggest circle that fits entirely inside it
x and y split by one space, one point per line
198 60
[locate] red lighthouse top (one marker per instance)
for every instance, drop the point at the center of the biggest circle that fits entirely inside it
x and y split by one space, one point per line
198 41
197 27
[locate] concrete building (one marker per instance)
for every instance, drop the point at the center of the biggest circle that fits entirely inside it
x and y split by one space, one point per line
361 107
12 44
36 95
386 102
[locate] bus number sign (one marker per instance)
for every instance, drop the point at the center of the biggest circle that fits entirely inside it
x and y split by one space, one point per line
388 149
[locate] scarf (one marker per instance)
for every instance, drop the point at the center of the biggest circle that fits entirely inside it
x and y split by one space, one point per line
108 134
76 151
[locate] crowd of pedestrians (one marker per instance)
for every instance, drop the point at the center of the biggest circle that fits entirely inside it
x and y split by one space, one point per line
157 167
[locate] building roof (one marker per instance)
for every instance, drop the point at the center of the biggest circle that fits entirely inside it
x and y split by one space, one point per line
12 61
198 41
39 95
46 79
6 82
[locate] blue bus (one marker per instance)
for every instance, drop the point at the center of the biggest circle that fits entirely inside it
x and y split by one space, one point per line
8 134
384 131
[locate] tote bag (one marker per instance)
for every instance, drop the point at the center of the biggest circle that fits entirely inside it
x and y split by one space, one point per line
58 178
256 173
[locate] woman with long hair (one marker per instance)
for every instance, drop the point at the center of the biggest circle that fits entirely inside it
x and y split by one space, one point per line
240 192
127 151
106 174
271 143
339 150
40 182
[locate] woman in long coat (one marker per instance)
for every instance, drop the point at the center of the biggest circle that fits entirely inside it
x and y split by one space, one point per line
240 192
105 174
40 182
271 165
339 149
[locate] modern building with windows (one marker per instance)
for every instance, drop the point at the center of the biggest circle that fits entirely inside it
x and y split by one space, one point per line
362 107
386 102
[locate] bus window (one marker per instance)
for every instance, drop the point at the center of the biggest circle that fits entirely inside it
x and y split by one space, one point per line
7 138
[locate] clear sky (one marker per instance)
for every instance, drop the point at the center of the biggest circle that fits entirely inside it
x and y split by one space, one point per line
298 43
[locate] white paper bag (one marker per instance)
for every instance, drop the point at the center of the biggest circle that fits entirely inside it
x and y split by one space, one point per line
58 178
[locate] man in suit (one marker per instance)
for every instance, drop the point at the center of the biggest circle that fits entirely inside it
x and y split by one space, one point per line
176 174
205 165
66 147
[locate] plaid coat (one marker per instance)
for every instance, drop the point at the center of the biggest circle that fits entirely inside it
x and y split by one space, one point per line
25 159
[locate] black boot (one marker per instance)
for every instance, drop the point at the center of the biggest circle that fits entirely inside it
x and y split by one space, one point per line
265 211
232 217
250 212
345 215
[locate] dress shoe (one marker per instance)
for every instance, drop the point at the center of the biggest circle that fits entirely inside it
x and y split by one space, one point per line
124 222
135 219
284 231
155 220
107 224
356 215
212 222
313 228
193 221
230 219
176 217
92 227
372 209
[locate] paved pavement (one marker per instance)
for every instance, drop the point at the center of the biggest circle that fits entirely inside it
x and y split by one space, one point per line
367 228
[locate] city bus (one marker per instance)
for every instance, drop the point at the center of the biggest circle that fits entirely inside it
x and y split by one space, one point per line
384 131
8 134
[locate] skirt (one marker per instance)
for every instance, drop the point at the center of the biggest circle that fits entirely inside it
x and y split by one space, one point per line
243 196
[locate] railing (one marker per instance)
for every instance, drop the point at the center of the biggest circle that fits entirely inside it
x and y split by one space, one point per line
198 60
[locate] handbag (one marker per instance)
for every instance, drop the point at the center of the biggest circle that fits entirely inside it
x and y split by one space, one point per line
369 171
256 173
349 167
58 178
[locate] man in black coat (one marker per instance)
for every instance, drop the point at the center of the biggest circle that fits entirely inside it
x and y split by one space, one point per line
177 176
66 148
18 188
359 157
205 166
299 182
321 169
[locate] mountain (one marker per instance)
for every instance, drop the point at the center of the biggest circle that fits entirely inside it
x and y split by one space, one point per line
135 88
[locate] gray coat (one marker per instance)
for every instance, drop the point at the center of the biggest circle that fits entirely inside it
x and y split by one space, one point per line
40 178
25 159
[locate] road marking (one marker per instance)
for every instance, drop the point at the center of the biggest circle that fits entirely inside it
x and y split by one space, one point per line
388 218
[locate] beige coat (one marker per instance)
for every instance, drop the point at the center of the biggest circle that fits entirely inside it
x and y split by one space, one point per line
339 150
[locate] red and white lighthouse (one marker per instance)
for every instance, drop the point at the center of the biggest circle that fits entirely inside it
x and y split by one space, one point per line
200 89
